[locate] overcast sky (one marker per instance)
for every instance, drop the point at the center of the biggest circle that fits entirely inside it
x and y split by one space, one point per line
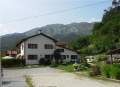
18 15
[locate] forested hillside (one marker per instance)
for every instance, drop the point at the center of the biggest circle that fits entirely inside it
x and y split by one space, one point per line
105 35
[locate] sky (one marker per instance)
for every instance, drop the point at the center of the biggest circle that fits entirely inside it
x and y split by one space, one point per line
23 15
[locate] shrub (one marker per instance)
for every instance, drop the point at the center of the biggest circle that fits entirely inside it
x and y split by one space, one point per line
95 70
115 72
29 81
105 70
101 58
67 67
116 65
111 71
117 75
84 66
54 65
12 63
43 61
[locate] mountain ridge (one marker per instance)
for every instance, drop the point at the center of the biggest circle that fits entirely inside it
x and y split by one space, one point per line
61 32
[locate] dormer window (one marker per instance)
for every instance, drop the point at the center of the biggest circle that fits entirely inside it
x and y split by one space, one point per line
32 46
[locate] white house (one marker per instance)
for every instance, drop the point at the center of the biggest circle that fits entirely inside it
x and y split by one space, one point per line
41 46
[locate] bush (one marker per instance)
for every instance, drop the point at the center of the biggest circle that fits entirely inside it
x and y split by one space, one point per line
115 72
111 71
101 58
105 70
6 63
43 61
84 66
67 67
95 70
117 75
54 65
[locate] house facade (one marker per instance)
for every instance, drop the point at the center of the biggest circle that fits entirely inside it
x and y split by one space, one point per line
41 46
12 53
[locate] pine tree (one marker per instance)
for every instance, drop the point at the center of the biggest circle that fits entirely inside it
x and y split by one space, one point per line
119 2
115 3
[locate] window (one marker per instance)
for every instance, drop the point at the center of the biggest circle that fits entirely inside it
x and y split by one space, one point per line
48 56
32 57
60 50
32 46
73 56
48 46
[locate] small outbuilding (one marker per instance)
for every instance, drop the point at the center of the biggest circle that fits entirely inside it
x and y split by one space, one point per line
114 56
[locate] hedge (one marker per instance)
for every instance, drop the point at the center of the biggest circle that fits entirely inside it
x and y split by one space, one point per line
111 71
6 63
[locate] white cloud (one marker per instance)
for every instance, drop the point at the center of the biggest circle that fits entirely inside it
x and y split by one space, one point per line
4 29
1 25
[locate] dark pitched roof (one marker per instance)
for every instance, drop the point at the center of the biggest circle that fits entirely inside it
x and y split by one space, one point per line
115 51
35 36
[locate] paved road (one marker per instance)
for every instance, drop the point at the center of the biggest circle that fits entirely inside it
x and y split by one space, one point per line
14 78
49 77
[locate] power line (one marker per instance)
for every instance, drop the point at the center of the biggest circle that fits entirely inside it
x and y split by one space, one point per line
56 12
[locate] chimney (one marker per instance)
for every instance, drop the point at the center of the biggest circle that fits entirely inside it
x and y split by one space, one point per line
39 31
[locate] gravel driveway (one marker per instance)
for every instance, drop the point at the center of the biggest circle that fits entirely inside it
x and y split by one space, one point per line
49 77
55 78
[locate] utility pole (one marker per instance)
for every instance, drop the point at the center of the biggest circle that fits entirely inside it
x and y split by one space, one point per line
0 71
0 66
0 74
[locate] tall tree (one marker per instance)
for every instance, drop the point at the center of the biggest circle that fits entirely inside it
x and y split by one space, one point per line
115 3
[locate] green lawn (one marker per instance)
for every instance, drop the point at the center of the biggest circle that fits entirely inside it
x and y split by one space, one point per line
68 68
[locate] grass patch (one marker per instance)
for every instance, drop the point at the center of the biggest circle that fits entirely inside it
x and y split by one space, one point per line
67 67
28 80
83 73
106 79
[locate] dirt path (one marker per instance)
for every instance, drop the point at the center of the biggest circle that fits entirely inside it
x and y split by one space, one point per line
54 78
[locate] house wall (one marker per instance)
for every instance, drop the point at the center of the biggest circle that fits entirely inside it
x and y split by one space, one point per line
22 49
68 52
40 51
115 58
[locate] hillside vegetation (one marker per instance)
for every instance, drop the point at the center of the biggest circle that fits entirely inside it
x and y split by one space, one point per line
105 34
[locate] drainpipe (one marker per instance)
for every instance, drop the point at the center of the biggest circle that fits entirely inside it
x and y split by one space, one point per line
0 64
